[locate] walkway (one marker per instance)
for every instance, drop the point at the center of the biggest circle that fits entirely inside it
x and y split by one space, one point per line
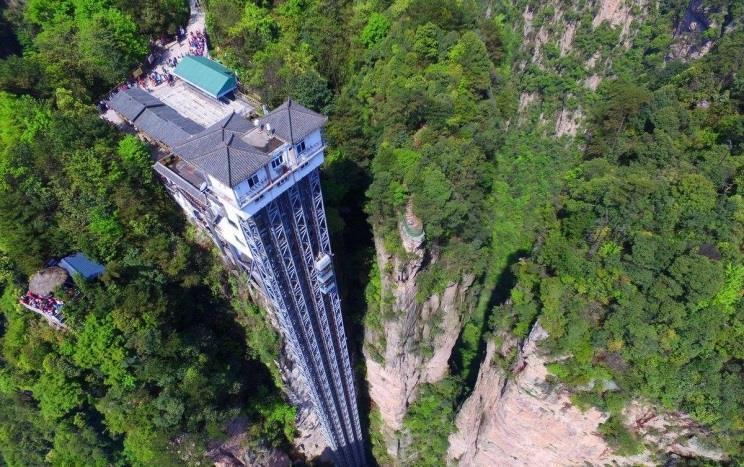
178 49
178 95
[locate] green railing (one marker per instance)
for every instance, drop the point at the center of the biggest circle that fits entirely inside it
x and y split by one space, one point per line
416 233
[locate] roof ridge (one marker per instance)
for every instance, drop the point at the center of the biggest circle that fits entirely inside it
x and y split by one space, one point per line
227 119
139 114
298 106
203 155
306 111
196 137
208 131
294 106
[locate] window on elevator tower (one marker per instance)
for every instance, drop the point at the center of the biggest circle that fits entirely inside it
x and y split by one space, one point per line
253 181
277 161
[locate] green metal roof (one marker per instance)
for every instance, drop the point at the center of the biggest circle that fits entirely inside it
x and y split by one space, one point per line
207 75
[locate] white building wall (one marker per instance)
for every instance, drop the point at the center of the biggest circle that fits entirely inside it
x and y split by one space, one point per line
243 189
233 235
230 232
279 171
312 142
221 190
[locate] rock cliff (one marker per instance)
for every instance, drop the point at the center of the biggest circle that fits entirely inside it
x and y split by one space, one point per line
599 34
416 339
234 452
550 31
517 417
310 441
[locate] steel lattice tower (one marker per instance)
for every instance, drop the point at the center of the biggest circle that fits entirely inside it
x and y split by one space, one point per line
289 240
254 187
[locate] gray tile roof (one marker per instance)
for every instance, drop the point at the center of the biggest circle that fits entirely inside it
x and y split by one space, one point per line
232 149
221 152
183 184
303 121
131 102
152 117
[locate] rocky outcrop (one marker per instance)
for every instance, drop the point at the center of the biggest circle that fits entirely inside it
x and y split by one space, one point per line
310 441
568 122
234 452
550 26
517 417
617 13
418 337
696 28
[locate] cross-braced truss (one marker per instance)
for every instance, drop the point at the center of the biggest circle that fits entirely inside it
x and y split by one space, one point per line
285 240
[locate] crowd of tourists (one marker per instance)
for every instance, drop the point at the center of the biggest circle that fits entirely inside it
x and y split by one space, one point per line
197 43
47 305
156 79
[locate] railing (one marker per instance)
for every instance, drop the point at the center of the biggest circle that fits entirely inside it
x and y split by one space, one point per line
252 191
309 150
416 233
315 149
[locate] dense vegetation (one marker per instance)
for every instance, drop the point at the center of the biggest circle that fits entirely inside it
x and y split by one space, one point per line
86 46
639 274
429 109
636 233
154 364
624 243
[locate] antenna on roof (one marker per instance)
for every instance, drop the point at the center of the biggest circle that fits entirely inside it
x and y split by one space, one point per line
229 168
256 122
289 116
268 127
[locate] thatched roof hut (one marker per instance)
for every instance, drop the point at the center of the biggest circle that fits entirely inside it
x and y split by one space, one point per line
45 281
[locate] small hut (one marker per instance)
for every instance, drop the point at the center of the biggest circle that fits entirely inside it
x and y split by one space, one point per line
78 263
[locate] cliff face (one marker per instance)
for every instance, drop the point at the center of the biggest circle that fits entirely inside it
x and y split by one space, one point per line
310 441
550 31
519 416
599 34
234 451
416 339
516 417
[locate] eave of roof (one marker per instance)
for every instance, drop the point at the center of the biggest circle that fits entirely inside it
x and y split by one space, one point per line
292 121
153 117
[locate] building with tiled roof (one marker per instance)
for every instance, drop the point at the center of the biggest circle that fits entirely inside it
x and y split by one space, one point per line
206 75
254 187
153 118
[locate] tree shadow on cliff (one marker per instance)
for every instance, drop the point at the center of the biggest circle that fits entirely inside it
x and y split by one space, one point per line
344 186
465 361
9 44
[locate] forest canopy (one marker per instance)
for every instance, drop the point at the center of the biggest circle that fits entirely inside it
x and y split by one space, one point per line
154 363
623 242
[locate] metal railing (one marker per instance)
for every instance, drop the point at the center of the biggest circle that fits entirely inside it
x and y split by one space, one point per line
248 199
